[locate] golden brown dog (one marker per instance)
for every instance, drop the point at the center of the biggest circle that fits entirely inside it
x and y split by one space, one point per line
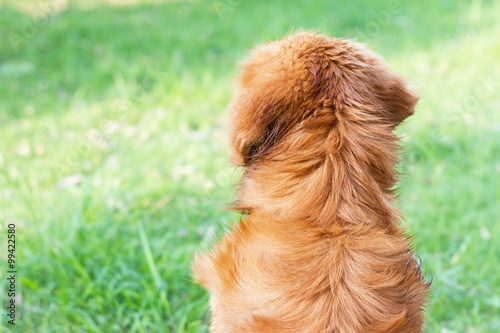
322 249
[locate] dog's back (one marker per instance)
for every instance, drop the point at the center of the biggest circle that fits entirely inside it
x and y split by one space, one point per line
278 276
321 250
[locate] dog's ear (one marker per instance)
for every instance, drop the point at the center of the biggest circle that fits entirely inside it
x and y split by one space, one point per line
246 128
255 127
384 88
260 111
375 91
398 102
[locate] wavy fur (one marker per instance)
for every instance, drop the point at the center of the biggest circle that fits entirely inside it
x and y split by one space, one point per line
321 249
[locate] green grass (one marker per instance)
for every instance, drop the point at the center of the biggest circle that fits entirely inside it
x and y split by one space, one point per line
114 167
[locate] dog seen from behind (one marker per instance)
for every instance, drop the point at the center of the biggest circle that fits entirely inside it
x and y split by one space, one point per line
322 249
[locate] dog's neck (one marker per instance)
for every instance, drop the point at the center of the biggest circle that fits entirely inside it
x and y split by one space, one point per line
345 176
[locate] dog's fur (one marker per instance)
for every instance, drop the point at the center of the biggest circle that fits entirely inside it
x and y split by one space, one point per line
322 249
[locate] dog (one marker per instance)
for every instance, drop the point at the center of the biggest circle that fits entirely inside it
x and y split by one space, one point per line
321 249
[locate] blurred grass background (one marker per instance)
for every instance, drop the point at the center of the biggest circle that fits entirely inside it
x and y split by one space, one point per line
114 168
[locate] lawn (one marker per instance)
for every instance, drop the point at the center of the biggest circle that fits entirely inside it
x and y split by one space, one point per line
114 166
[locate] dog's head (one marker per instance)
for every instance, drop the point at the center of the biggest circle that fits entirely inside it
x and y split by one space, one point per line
307 76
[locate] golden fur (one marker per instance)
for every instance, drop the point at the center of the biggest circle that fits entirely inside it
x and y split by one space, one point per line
322 249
